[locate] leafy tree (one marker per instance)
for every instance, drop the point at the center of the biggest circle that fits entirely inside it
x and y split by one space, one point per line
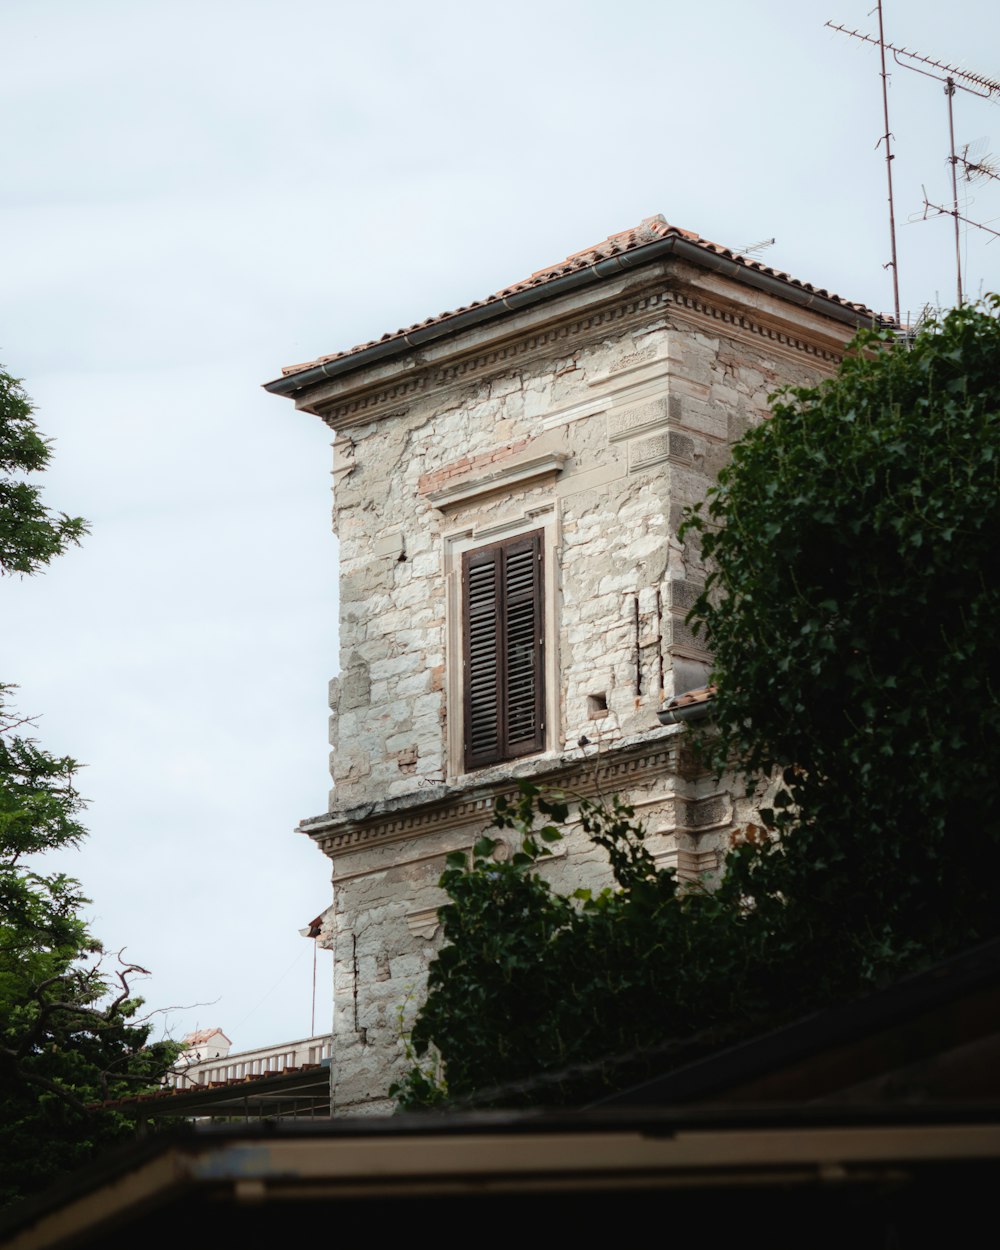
30 536
852 611
69 1033
587 987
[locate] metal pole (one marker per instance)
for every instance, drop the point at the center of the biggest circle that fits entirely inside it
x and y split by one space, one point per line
949 91
888 165
312 1027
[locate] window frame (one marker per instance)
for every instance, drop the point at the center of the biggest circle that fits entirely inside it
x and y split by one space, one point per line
503 650
466 534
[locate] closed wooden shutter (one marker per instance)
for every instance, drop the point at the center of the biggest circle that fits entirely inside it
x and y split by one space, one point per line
503 644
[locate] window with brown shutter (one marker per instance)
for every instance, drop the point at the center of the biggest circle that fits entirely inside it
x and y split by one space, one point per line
503 650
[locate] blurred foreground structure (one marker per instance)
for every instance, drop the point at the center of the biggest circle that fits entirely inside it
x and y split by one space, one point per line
877 1121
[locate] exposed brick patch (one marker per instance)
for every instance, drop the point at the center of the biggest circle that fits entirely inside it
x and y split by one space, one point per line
469 465
406 760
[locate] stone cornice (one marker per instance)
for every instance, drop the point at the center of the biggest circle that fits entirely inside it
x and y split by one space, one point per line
736 320
519 473
617 769
691 304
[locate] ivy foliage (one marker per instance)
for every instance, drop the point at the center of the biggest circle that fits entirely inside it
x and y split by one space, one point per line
71 1036
852 610
530 980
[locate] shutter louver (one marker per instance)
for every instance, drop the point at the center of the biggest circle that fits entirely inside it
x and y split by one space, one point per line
482 693
523 637
502 601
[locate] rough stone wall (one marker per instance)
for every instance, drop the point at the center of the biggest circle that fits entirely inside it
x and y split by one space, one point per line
384 927
602 443
645 419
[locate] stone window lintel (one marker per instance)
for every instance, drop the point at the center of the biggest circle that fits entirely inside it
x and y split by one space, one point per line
507 477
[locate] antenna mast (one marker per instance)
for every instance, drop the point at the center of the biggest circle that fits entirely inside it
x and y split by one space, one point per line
887 138
949 90
953 79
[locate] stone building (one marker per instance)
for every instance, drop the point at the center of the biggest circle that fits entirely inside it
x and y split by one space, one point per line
509 479
204 1044
203 1065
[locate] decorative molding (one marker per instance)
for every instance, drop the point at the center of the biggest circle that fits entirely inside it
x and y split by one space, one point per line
631 362
367 406
691 817
716 312
423 923
507 477
570 329
341 836
626 422
689 865
617 769
501 854
476 530
633 386
356 411
645 452
339 878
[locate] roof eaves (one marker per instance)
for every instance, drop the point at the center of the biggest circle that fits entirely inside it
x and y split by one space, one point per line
582 269
691 705
510 299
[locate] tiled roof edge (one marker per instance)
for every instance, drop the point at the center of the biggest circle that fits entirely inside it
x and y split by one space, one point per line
619 253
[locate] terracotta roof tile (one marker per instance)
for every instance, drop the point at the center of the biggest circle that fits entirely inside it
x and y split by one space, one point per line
202 1036
648 231
702 695
167 1093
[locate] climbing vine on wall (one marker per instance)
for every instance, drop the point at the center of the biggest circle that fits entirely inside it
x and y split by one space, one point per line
852 610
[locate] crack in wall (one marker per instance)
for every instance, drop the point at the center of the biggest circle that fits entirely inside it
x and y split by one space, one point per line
638 650
355 978
659 641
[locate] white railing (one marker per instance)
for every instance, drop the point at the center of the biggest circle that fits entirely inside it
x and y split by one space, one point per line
266 1060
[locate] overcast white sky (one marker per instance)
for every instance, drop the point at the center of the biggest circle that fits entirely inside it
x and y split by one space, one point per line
196 192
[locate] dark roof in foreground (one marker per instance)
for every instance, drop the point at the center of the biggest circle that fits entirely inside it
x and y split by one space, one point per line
800 1173
875 1123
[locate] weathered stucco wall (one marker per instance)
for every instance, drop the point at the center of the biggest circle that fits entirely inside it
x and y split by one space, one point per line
597 423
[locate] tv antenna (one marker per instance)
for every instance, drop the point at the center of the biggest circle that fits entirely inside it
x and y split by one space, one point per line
977 163
939 211
755 249
954 79
926 314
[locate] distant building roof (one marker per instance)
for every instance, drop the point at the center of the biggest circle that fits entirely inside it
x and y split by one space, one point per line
204 1035
652 230
303 1089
